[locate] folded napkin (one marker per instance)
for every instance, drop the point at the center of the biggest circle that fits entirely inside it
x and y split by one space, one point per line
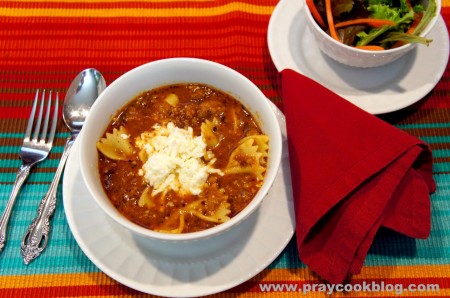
352 173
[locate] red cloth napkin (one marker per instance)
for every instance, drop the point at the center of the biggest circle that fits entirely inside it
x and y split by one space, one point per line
351 174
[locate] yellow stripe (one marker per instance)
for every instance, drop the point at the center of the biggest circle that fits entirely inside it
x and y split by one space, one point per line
137 295
106 1
138 12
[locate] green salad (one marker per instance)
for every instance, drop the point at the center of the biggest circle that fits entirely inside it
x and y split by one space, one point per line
374 24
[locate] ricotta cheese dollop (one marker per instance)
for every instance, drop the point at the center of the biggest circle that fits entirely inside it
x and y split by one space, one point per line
175 159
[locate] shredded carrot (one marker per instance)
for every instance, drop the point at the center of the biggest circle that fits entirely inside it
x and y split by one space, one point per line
371 22
416 21
330 20
408 3
370 48
315 13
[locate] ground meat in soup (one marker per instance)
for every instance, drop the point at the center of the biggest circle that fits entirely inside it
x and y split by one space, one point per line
174 210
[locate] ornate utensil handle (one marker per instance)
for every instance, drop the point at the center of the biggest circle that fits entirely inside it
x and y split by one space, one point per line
22 175
35 239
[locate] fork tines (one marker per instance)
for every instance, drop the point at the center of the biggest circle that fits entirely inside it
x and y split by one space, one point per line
44 134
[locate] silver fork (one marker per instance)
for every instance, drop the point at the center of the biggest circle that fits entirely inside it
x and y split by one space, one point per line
33 150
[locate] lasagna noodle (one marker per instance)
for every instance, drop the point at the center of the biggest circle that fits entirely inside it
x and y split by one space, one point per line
250 156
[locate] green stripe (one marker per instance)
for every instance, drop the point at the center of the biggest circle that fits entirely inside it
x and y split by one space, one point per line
15 163
62 254
7 135
436 139
441 167
440 233
441 153
33 178
442 213
423 125
16 149
444 179
28 190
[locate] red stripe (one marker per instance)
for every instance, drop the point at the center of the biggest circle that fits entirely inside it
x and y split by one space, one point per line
436 100
445 12
78 63
169 35
130 21
72 291
243 43
138 58
14 112
24 100
20 25
132 4
19 112
18 74
27 91
115 68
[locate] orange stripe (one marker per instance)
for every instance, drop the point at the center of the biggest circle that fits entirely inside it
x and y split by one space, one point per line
168 33
138 12
14 27
107 4
401 273
52 280
171 3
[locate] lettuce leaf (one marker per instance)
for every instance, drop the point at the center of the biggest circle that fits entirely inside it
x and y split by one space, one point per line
383 11
398 11
429 13
341 7
409 38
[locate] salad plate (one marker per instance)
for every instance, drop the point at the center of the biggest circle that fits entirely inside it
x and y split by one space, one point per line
376 90
184 269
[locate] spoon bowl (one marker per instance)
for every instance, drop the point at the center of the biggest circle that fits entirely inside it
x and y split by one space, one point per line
80 96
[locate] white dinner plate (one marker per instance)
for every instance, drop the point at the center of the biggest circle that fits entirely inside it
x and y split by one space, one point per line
376 90
183 270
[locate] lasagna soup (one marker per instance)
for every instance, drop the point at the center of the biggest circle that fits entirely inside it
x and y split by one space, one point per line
182 158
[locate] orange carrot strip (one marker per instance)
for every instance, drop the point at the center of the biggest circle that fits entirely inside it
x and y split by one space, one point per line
315 13
416 21
408 3
330 20
371 22
370 48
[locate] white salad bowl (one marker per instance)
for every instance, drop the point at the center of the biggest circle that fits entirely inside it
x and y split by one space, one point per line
362 58
166 72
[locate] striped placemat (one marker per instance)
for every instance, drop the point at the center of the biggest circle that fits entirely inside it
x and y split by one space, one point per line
45 43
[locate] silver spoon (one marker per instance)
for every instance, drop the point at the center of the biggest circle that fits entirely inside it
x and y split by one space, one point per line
80 96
